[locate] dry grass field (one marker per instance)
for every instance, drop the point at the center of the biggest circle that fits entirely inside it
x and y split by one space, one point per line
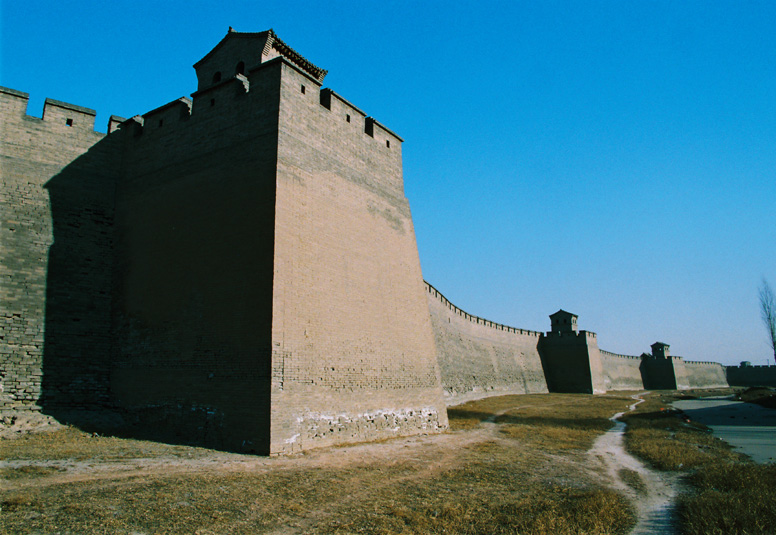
513 464
726 494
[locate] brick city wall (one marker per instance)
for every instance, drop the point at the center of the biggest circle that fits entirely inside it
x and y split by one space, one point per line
183 282
353 351
194 231
572 362
239 270
479 358
705 374
751 375
55 256
621 372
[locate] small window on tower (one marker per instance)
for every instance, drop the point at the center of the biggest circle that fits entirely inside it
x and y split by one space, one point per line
347 118
69 122
217 77
161 122
212 102
388 143
240 68
303 90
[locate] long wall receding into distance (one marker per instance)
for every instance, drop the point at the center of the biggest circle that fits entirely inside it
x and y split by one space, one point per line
479 358
621 372
239 270
747 375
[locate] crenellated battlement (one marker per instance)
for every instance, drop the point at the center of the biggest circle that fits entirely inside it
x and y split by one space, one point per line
476 319
700 362
14 107
609 354
571 334
237 95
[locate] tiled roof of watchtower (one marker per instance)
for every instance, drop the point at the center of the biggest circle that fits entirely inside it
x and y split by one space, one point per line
267 42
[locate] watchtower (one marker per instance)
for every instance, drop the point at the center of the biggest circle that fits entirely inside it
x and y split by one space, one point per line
661 371
563 322
660 350
571 358
269 290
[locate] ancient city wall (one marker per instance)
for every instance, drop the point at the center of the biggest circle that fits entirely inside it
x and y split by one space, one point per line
56 244
621 372
194 228
479 358
705 374
239 270
751 375
353 350
572 362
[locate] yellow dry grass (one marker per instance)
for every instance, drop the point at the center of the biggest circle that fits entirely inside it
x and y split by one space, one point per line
485 477
727 494
73 444
550 421
731 499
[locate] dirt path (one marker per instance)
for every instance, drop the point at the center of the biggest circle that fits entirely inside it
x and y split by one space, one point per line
361 481
433 451
654 497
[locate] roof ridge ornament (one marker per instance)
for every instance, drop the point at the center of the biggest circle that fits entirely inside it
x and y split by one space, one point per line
272 46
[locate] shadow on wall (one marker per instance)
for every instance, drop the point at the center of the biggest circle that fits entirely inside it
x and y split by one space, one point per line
77 342
157 327
657 374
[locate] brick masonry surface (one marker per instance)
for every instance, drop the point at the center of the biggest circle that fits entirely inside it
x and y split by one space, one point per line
55 254
479 358
239 270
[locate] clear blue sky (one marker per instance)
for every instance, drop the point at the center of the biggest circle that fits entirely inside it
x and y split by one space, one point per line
616 159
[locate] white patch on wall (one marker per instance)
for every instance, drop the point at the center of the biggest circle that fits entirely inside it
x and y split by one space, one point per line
366 425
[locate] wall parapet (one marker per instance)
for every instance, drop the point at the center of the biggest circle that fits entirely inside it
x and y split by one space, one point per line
476 319
605 353
203 99
14 93
16 103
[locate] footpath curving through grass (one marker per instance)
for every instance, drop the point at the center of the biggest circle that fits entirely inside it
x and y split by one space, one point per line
727 494
513 464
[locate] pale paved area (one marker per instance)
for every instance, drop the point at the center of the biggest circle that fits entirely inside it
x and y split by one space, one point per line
748 427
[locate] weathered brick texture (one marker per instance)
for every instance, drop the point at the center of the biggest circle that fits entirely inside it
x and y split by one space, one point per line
479 358
621 372
55 256
239 270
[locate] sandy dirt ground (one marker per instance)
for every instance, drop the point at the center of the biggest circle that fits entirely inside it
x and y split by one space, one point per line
603 465
654 502
432 452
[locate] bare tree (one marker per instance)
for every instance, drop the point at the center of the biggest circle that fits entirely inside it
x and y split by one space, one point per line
768 312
